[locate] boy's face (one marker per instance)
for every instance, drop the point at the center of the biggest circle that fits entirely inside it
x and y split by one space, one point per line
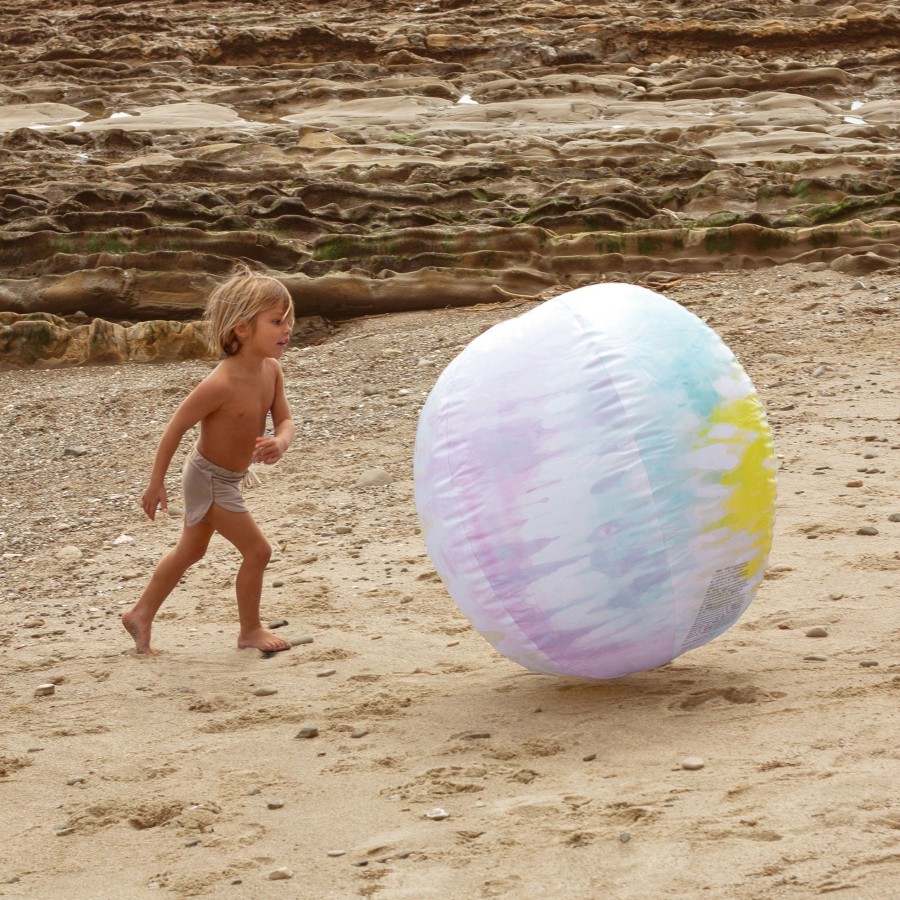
269 333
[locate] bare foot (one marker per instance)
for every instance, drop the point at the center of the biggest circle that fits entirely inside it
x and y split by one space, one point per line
263 640
140 631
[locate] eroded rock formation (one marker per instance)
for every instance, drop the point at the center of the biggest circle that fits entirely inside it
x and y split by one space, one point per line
419 155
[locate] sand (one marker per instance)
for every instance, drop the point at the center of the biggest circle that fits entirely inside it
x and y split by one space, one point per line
439 768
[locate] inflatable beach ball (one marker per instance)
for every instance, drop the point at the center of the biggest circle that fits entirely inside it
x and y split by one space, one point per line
595 481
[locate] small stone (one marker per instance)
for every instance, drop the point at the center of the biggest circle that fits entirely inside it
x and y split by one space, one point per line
437 814
894 517
816 658
68 554
589 758
275 803
265 691
867 530
692 763
296 642
45 690
359 732
13 879
624 837
336 853
343 529
855 483
373 478
281 874
76 779
276 584
817 631
252 792
192 843
75 451
278 623
868 663
477 735
325 673
310 731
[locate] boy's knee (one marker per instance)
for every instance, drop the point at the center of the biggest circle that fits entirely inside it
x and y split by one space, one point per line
192 555
259 555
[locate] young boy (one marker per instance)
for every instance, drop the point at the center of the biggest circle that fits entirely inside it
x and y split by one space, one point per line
250 319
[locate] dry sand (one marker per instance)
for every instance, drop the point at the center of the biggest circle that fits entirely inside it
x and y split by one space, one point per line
145 777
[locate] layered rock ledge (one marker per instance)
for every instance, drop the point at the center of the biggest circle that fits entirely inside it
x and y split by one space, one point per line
422 155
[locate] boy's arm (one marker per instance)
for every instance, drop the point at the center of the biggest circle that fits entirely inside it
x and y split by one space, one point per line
270 449
204 399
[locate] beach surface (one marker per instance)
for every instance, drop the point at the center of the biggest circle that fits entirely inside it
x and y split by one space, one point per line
438 768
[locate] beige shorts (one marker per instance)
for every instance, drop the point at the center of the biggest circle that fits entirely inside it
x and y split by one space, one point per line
205 483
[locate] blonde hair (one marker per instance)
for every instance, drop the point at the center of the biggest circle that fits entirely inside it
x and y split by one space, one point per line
241 299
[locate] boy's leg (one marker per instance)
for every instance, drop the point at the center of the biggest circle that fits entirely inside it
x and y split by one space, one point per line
240 529
190 548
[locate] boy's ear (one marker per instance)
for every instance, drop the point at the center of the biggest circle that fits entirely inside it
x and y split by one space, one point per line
242 330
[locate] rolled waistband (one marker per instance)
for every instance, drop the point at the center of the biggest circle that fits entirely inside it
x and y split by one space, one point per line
198 459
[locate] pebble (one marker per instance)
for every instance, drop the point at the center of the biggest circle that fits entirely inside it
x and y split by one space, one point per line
817 631
359 732
855 483
68 553
624 837
589 758
275 803
281 874
76 779
868 663
692 763
192 843
373 478
296 642
477 735
816 658
437 814
308 732
325 673
44 690
343 529
336 853
867 530
265 691
75 451
252 792
894 517
278 623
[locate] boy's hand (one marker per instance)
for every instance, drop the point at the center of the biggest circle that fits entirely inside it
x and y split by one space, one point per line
269 450
155 498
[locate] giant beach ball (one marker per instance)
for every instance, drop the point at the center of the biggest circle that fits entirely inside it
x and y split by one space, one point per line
595 481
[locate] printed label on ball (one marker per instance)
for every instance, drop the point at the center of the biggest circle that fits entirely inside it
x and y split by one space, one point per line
724 601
